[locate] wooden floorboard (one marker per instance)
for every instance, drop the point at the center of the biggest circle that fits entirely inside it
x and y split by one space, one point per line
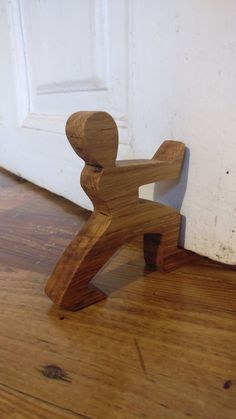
161 346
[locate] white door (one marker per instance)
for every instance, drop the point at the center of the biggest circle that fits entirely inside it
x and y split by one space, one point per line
162 68
60 56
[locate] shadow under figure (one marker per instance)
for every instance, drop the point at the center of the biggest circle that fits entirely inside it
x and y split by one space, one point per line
119 214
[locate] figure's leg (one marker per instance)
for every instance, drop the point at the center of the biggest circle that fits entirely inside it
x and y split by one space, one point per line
161 250
69 285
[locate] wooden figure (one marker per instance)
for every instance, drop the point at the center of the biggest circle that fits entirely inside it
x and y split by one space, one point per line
119 214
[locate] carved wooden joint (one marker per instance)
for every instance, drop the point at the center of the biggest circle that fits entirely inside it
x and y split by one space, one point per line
119 214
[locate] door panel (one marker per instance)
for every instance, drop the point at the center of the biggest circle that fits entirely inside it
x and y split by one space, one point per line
70 55
60 57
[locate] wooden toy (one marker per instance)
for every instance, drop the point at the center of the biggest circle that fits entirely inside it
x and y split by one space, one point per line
119 214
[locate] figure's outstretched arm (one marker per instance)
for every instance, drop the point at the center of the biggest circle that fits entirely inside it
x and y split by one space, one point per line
165 164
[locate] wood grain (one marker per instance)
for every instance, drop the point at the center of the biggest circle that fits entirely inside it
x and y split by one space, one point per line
161 346
119 214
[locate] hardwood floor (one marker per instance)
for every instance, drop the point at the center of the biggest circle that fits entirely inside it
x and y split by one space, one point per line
161 346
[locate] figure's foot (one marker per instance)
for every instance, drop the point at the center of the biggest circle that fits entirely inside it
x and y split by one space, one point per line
79 298
175 260
164 256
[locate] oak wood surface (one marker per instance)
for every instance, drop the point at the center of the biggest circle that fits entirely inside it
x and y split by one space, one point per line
162 346
119 214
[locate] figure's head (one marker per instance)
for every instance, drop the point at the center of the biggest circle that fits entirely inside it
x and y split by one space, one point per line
94 137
